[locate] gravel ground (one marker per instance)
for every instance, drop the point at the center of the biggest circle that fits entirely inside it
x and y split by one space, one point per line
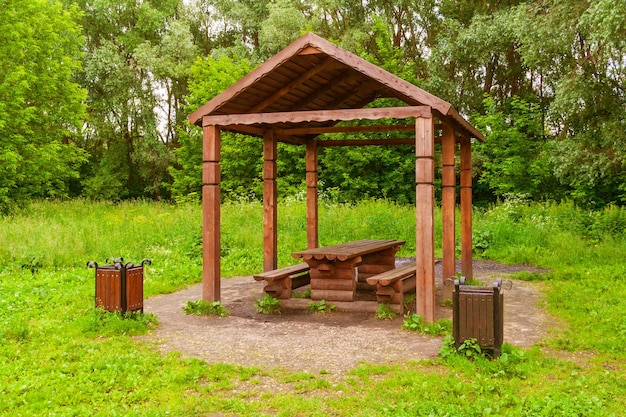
332 343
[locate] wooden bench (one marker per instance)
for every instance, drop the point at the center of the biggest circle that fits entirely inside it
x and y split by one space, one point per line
279 283
393 284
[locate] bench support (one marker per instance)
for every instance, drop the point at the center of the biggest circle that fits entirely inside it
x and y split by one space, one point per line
279 283
393 284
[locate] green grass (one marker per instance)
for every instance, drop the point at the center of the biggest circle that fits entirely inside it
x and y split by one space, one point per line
584 252
62 357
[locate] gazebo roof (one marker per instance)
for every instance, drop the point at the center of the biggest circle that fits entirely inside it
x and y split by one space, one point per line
313 74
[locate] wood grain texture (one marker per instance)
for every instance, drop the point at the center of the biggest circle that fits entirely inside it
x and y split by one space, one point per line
211 200
270 203
466 209
448 209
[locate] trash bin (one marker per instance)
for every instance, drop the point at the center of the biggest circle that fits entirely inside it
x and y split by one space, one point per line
478 314
119 285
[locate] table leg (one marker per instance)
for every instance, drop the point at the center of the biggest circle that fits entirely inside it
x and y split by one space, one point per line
333 280
376 263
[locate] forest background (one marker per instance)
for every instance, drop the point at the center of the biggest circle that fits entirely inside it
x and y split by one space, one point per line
94 94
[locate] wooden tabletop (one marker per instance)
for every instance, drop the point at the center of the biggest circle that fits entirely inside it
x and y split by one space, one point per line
348 250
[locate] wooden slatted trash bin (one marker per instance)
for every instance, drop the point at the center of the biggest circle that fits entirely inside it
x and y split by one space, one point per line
119 285
478 314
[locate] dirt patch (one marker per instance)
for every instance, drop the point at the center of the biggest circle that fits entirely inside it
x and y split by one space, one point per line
331 343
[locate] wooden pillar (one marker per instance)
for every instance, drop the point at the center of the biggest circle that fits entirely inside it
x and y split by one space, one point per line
424 226
211 214
312 229
270 203
448 206
466 208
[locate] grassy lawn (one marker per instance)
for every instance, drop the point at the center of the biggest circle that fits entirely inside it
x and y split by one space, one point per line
60 357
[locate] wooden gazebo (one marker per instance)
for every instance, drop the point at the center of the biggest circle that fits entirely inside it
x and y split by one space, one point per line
306 90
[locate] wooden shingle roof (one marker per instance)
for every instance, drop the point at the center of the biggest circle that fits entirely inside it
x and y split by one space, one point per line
312 74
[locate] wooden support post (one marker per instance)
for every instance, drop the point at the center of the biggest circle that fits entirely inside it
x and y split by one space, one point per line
312 230
466 208
270 203
211 214
448 203
424 226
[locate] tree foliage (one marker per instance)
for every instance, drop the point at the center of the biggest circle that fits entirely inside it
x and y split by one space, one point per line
136 67
241 156
40 106
545 80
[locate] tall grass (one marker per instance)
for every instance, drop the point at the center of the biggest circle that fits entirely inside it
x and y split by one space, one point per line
71 233
60 357
585 252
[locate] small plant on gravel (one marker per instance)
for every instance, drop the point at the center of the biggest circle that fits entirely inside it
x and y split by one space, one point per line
384 312
469 348
321 307
205 308
415 323
267 305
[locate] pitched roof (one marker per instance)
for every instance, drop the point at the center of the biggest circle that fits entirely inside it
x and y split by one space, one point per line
314 74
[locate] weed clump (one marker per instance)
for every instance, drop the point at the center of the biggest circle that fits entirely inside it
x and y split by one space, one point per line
384 312
415 322
267 305
205 308
321 307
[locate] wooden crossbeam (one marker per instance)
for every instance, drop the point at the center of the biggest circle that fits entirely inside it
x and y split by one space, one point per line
318 116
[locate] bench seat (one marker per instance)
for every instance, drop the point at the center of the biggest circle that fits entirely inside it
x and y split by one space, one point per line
279 283
389 277
391 285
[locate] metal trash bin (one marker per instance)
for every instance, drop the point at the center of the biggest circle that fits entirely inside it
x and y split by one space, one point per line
478 314
119 285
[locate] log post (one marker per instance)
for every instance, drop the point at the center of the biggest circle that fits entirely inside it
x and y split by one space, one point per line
448 203
424 211
466 208
211 214
270 202
312 229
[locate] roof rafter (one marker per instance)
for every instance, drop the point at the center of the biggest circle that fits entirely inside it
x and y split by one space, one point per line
301 79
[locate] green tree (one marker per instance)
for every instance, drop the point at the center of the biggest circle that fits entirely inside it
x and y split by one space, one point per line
241 156
41 109
513 155
587 65
135 72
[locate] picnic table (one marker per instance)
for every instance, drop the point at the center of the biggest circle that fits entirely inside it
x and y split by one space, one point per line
335 270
